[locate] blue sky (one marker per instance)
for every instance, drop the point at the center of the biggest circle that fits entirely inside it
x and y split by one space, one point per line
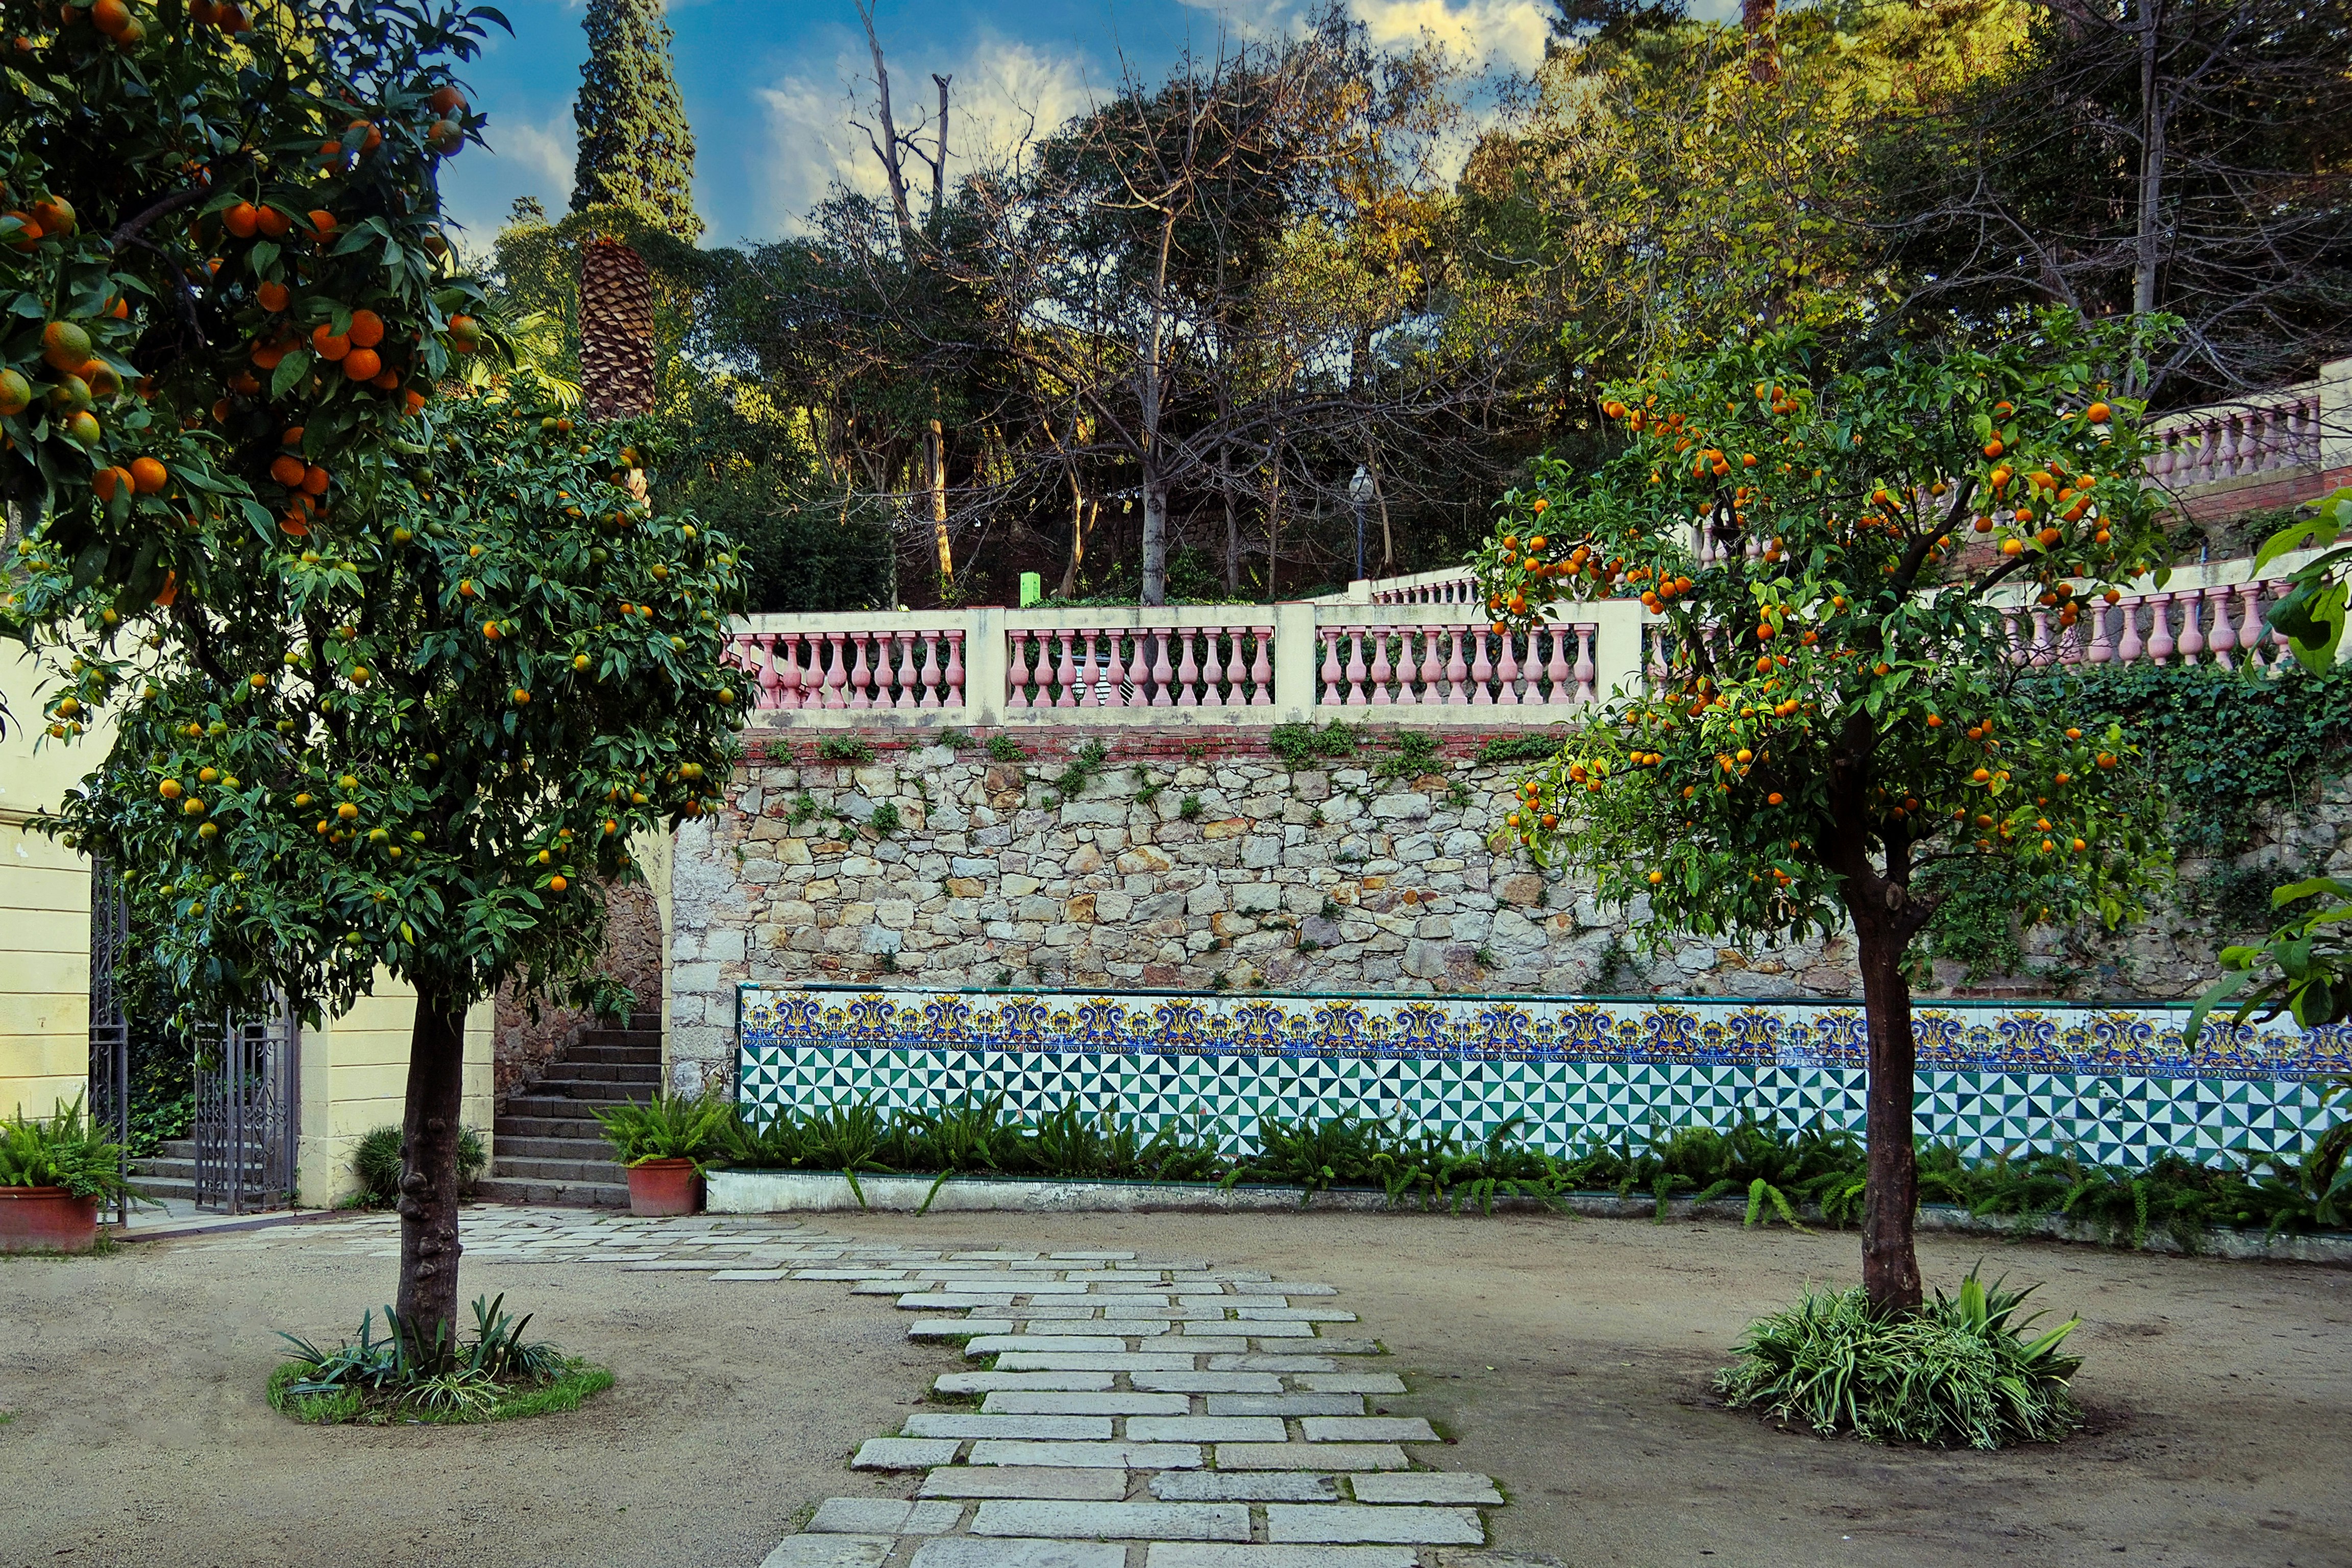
768 83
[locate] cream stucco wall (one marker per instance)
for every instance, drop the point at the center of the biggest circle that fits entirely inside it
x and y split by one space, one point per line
44 910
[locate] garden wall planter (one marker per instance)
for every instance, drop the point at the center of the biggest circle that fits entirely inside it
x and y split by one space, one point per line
45 1219
806 1192
659 1187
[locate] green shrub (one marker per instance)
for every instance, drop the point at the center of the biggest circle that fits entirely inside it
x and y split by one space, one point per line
67 1151
1189 808
1003 748
1303 745
667 1127
885 820
1960 1370
404 1376
1541 746
376 1161
843 749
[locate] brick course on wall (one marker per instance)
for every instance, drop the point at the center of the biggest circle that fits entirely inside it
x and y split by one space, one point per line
1325 878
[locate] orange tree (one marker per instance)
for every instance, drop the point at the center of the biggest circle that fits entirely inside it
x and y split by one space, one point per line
419 739
216 225
1838 737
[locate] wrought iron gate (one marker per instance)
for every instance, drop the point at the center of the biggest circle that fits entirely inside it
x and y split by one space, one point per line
245 1115
110 1026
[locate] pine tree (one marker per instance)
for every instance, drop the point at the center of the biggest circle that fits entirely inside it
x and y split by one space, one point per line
636 147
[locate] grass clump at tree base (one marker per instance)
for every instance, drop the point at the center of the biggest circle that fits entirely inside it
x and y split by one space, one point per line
411 1378
1959 1369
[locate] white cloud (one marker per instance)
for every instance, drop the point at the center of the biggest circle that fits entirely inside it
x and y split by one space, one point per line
1001 95
1509 32
547 155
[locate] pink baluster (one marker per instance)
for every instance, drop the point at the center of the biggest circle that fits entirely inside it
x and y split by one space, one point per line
1587 673
770 680
1332 694
2281 645
2101 650
2192 636
1163 672
1261 668
1231 689
1507 670
1432 668
931 676
2159 639
2269 448
1481 672
2224 638
1066 673
1557 670
904 674
1356 667
884 672
1456 670
836 675
861 677
1188 672
2251 636
2130 648
1017 668
1083 689
954 698
786 674
1139 674
1382 671
2043 653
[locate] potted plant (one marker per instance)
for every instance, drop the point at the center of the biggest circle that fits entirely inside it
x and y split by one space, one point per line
662 1142
53 1176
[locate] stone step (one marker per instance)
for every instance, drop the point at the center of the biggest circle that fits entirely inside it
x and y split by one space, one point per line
160 1170
587 1051
599 1172
589 1090
570 1127
641 1039
572 1069
527 1146
165 1186
558 1106
561 1195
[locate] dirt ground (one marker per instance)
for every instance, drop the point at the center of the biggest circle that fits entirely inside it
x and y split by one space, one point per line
1567 1358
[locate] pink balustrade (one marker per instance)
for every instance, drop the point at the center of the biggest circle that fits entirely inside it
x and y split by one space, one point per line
1461 590
1148 667
846 669
1376 667
2221 625
2208 445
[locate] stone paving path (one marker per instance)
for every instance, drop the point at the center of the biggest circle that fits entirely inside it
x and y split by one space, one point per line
1126 1412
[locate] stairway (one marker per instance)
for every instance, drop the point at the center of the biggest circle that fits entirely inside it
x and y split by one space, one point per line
548 1148
169 1172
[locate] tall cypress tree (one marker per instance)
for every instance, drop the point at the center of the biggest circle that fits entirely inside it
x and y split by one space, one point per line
636 147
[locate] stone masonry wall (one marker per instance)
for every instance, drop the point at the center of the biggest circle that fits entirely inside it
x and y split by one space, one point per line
632 952
1214 866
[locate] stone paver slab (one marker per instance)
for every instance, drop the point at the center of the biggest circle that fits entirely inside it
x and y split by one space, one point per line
978 1552
1095 1456
1280 1288
1245 1486
957 1327
998 1338
1286 1404
1352 1381
1426 1485
1026 1481
991 1381
1091 1361
1197 1554
1116 1520
1294 1315
1367 1429
903 1453
1310 1456
1315 1347
860 1516
1208 1382
1283 1363
1053 1428
940 1301
829 1551
1301 1522
1023 1402
1256 1328
1205 1428
747 1275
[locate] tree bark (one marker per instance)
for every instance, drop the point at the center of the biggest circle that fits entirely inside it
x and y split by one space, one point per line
939 456
886 146
1232 523
1890 1265
1155 532
2151 164
1759 20
428 1176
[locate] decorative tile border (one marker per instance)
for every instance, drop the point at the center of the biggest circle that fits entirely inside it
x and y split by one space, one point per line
2116 1083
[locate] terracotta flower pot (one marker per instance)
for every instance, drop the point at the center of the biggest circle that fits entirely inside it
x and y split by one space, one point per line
664 1187
45 1219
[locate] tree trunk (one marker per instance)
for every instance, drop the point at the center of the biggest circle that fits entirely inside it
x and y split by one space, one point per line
1890 1266
939 503
2151 166
1759 20
1232 524
428 1176
1155 532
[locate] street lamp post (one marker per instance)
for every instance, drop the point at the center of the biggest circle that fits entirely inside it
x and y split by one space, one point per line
1359 490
